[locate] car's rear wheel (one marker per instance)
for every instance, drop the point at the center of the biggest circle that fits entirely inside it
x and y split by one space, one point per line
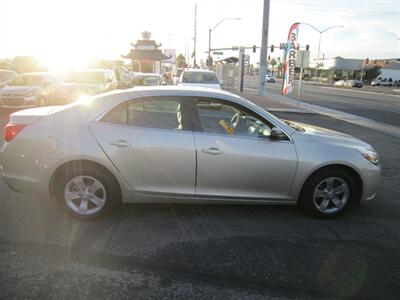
86 193
328 193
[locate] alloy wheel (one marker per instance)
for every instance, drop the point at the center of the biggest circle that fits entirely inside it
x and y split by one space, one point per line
331 195
85 195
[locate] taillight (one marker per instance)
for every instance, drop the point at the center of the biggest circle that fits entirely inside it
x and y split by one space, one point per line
12 130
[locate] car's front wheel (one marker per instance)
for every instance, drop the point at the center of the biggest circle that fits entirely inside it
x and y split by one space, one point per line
328 193
86 193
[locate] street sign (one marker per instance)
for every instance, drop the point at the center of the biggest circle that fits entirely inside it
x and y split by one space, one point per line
218 53
302 59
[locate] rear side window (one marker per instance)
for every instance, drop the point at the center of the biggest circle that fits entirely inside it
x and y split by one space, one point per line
164 113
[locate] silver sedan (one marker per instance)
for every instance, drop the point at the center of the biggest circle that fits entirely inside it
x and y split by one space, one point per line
172 144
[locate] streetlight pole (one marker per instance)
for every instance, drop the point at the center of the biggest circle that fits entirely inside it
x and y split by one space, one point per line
319 42
210 31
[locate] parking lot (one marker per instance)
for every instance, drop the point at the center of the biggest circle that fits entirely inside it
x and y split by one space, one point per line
207 251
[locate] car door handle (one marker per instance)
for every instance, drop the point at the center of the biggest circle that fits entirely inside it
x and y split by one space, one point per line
120 144
212 150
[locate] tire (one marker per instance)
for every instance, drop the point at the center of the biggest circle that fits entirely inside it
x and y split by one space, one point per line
99 185
42 101
316 193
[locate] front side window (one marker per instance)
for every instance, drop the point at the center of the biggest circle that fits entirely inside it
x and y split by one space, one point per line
220 117
148 113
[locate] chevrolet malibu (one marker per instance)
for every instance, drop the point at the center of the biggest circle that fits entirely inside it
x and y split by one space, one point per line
176 144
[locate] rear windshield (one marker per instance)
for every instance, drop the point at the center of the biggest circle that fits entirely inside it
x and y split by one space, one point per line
145 80
27 80
199 77
87 77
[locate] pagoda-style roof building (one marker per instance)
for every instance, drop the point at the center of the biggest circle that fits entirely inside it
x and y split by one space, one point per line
145 55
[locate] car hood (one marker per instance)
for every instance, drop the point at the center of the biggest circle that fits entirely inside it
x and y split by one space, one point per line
19 90
323 135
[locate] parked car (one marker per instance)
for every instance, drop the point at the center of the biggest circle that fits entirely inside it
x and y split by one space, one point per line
199 78
270 78
6 76
169 144
29 90
381 82
349 83
356 83
340 83
104 79
70 92
177 75
146 79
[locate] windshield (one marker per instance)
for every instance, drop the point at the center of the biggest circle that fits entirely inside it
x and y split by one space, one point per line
5 76
87 77
199 77
145 80
27 80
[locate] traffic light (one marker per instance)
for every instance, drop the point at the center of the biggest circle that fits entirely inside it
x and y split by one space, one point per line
272 48
269 58
307 47
254 48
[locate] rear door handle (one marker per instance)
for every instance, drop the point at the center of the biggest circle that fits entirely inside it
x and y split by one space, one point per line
212 150
120 144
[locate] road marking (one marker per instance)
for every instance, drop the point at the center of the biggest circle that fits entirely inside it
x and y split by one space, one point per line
339 115
361 92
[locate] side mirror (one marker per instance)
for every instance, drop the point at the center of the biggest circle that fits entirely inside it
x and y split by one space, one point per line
277 134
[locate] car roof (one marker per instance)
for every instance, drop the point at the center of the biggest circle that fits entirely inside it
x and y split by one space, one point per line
198 70
146 74
37 74
91 70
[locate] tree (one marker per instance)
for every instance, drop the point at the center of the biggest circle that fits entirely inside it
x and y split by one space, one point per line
273 63
22 64
372 73
180 61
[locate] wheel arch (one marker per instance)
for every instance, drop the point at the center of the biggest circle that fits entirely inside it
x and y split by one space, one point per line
352 171
80 164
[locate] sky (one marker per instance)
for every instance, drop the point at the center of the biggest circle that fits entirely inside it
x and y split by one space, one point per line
70 33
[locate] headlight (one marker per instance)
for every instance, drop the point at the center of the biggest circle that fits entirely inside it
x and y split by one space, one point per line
370 155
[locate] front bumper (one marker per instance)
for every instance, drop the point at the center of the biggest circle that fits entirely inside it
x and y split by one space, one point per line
371 175
18 101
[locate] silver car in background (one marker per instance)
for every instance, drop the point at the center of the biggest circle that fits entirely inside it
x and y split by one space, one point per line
169 144
29 90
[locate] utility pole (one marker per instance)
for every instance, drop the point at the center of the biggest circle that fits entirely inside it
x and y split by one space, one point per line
264 47
195 35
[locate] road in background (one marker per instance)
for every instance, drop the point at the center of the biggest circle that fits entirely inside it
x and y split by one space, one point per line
380 107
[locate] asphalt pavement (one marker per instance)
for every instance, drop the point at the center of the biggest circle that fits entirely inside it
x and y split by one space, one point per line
207 251
380 104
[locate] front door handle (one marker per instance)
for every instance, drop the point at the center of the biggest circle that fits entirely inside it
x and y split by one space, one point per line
212 150
120 144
